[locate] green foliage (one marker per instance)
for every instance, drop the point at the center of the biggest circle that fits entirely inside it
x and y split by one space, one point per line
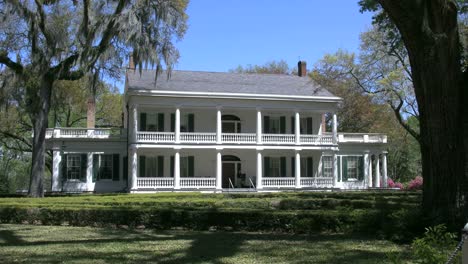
435 246
272 67
363 212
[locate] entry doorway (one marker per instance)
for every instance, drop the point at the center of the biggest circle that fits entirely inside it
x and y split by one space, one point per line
230 124
231 171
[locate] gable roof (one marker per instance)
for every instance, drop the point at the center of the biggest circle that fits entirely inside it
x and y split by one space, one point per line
222 82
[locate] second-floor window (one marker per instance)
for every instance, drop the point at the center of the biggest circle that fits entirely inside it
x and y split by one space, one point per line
305 125
187 122
274 124
152 122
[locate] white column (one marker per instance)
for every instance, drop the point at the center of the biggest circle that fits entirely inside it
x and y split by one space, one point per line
132 166
89 173
219 170
377 171
365 168
259 170
218 125
177 170
335 129
135 124
177 125
259 126
297 128
57 158
297 170
384 168
371 164
335 169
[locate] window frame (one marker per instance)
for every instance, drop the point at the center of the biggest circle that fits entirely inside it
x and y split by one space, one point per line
327 171
71 169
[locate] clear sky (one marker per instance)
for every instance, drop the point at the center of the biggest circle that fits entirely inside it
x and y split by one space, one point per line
223 34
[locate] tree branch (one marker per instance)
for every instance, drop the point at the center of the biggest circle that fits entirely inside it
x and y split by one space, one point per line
14 66
405 125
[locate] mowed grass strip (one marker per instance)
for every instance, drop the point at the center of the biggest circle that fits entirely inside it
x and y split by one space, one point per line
64 244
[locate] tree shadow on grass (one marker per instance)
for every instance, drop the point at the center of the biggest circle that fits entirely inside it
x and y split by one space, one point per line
135 246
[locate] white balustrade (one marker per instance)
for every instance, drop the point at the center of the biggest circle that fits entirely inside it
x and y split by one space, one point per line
239 138
166 182
191 137
362 138
198 182
84 132
279 182
279 138
146 136
317 182
317 139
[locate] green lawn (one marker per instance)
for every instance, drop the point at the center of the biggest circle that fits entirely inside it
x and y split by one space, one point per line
64 244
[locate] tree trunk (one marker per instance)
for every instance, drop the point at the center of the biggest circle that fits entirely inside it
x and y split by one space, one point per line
430 33
40 123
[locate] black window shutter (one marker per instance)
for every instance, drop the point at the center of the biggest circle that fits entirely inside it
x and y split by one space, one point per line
142 166
142 121
63 163
310 166
361 168
293 167
345 168
84 162
282 125
172 166
266 166
95 167
266 124
125 168
191 123
283 166
172 122
161 122
339 168
293 125
115 169
191 166
160 166
309 125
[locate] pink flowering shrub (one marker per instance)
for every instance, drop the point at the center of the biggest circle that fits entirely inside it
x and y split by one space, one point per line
392 184
416 184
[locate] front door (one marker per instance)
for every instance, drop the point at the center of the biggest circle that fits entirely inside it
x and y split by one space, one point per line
229 172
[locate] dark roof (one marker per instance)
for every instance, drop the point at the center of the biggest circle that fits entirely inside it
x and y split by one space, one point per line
222 82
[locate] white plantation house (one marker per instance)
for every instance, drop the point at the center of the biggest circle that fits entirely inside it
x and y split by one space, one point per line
217 131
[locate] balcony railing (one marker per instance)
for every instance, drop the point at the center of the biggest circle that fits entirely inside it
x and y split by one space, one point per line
279 182
155 182
361 138
86 133
317 139
279 138
318 182
198 137
156 136
198 182
238 138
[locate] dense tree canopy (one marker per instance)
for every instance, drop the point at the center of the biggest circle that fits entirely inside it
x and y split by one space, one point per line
42 42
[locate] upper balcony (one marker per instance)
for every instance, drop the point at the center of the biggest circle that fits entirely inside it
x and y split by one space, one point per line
86 133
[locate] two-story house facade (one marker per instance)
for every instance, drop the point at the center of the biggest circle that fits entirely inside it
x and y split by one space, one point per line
218 131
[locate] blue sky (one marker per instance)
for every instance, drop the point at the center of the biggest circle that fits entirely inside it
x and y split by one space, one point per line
223 34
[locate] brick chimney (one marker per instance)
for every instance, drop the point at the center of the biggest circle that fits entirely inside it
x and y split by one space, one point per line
91 114
302 68
324 124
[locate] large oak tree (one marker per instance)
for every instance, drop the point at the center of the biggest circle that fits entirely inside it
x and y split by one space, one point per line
429 30
43 41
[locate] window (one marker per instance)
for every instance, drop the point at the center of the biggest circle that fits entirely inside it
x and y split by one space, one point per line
187 122
187 166
151 166
306 125
327 166
73 167
105 167
306 167
353 168
152 122
274 166
274 124
230 124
